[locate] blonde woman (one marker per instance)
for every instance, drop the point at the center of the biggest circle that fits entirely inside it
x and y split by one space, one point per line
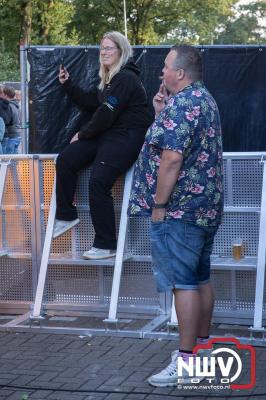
109 142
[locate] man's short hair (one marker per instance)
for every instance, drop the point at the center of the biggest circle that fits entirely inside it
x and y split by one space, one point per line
9 91
189 59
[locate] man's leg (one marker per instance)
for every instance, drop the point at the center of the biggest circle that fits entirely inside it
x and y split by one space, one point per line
187 303
194 310
207 304
188 311
205 289
176 250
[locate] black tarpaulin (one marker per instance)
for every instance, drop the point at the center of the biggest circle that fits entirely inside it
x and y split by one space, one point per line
235 75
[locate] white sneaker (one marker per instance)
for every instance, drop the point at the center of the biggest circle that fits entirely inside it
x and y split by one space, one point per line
97 254
61 226
168 376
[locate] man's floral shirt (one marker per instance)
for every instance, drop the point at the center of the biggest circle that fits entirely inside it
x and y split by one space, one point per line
190 125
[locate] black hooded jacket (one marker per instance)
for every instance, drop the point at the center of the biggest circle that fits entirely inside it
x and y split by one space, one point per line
13 130
5 112
121 106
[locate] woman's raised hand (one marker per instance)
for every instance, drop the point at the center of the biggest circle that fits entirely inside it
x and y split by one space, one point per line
63 74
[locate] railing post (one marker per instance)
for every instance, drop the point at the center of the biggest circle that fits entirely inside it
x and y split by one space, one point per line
260 275
45 258
24 101
120 248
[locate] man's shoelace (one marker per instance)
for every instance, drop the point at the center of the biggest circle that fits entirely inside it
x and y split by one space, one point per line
171 368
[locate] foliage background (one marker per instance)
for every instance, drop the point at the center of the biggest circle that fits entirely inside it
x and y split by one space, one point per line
74 22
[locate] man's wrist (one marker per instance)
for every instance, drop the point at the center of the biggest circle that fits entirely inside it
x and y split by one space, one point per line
159 205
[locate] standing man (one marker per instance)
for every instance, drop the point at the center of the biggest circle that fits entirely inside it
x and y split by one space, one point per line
5 117
12 136
178 182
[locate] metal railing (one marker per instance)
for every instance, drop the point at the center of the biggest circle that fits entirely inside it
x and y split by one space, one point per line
55 275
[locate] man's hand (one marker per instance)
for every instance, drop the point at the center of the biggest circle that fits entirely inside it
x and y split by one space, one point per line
63 74
75 138
160 99
158 214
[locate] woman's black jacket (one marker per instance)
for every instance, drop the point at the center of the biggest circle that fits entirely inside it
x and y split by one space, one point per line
121 106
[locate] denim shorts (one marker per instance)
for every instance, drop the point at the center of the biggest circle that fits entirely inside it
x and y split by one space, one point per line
180 254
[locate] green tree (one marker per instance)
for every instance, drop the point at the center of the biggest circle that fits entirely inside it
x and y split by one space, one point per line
9 67
150 21
50 21
32 22
11 30
244 27
10 18
195 24
36 22
92 18
25 21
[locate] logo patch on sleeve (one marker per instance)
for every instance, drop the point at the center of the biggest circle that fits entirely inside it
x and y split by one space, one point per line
112 100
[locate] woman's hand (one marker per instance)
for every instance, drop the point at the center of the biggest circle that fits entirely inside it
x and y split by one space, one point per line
63 74
75 137
160 99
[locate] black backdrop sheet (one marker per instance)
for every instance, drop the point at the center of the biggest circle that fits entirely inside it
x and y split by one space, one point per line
235 75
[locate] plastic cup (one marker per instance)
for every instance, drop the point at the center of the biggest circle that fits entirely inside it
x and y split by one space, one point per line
237 248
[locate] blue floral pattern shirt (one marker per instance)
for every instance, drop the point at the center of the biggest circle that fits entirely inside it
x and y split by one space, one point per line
189 124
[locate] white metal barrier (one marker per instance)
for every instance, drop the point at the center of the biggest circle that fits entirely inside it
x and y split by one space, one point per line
63 280
245 217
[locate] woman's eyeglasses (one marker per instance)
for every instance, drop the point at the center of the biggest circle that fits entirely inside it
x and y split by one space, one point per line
108 49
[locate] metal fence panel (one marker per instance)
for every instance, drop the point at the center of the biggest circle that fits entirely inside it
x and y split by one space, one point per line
74 281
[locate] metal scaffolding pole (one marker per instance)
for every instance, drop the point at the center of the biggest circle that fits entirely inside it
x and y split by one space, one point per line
125 18
24 101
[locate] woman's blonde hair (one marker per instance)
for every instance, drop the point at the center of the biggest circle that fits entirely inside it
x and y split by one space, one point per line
126 52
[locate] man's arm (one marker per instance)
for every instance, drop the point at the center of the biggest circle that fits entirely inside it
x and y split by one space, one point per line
168 173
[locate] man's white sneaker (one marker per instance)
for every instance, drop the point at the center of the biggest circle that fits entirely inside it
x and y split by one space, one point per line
97 254
169 377
61 226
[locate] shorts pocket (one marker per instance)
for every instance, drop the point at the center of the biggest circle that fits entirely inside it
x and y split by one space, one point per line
157 228
194 236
